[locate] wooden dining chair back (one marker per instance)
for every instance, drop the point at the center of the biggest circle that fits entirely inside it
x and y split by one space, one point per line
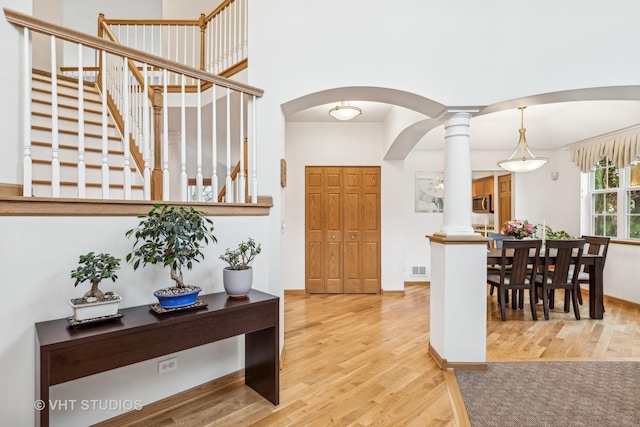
517 272
594 245
495 242
560 269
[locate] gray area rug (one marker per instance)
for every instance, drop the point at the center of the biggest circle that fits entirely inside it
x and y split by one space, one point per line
598 394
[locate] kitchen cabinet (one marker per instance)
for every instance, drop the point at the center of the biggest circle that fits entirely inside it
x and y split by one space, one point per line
482 186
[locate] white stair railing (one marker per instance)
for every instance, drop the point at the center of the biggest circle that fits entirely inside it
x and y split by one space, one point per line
128 100
215 43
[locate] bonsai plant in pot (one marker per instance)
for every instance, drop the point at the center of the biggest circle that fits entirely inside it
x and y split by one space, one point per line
95 304
172 236
237 278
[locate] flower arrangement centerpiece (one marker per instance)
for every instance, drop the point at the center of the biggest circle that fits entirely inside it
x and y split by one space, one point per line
518 228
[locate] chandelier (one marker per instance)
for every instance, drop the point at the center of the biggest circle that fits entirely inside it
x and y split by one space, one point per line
522 159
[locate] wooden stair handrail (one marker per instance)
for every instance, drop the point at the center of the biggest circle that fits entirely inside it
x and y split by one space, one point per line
235 173
34 24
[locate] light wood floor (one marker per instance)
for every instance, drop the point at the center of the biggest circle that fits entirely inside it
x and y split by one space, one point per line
356 360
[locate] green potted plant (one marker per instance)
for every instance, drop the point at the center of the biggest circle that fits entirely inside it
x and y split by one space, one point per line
172 236
95 303
237 278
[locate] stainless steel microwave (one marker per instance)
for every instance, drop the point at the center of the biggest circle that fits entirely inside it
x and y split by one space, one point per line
482 203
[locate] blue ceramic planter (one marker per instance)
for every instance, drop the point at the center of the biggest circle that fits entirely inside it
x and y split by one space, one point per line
177 300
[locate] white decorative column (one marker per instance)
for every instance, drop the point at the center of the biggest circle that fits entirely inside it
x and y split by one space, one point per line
457 174
458 262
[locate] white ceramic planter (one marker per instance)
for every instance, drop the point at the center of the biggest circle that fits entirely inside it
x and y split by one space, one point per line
94 310
237 283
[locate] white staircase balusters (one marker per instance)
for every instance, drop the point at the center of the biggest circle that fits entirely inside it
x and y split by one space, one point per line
254 157
27 164
82 193
235 28
184 181
55 145
229 182
126 117
214 144
166 195
146 131
199 178
241 180
105 130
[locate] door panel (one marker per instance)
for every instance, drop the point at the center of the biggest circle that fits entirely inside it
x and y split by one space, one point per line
315 278
347 204
371 230
504 195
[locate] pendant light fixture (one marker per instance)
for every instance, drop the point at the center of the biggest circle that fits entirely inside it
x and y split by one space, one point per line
522 159
344 111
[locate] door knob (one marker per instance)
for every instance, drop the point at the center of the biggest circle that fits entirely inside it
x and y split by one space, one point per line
333 237
353 236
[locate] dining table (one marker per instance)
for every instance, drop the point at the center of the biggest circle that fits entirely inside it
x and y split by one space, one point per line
595 264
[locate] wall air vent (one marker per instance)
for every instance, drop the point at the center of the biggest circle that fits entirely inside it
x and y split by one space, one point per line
418 270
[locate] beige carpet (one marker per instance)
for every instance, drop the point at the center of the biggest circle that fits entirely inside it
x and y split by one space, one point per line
520 394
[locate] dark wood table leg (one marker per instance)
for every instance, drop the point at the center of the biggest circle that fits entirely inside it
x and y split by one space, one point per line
596 304
262 363
42 400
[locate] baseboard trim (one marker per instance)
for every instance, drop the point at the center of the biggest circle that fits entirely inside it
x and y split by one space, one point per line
294 292
417 282
585 292
444 365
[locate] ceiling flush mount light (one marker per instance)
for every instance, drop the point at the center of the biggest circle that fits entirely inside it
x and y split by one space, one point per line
522 159
344 111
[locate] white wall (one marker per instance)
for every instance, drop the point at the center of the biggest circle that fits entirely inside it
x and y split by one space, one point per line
37 279
11 82
179 9
339 144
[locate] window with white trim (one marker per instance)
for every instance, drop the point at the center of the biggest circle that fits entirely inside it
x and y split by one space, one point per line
615 200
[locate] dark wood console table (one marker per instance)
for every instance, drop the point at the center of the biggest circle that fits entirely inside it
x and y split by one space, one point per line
67 354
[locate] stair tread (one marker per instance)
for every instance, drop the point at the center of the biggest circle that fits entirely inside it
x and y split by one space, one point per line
88 184
71 107
66 95
71 119
66 83
75 147
87 164
75 132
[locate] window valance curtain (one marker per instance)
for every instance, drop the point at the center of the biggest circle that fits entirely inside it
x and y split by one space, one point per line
621 149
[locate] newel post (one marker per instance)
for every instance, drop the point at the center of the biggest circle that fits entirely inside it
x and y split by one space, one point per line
100 35
203 27
156 173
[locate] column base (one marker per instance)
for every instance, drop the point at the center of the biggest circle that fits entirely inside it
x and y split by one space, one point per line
461 366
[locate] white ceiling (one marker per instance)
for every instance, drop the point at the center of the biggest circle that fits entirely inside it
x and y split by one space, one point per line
548 126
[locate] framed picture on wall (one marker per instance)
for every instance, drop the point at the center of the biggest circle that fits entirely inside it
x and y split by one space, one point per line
429 192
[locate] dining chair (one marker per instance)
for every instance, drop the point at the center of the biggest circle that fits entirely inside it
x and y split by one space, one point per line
595 245
495 241
562 260
517 274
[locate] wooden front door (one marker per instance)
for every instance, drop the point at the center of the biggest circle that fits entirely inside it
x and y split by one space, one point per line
342 229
